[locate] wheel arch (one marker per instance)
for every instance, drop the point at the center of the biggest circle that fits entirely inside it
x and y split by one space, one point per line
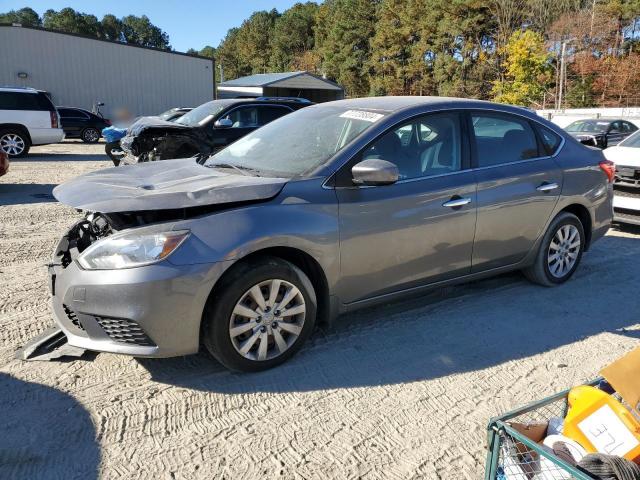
301 259
584 216
17 126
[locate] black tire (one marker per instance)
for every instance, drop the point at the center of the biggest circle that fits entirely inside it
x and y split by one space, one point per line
540 271
109 148
222 301
90 135
15 133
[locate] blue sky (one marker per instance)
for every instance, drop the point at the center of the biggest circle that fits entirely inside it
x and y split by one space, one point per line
189 23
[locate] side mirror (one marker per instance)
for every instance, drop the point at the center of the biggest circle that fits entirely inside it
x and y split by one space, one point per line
223 123
375 172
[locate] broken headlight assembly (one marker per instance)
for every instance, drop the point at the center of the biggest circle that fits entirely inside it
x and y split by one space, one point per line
131 249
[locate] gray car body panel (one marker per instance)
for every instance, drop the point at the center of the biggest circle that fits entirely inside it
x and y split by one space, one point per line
372 244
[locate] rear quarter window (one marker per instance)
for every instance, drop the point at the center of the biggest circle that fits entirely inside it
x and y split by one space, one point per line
24 101
550 140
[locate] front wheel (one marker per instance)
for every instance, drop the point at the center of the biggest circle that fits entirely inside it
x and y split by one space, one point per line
560 252
114 152
260 315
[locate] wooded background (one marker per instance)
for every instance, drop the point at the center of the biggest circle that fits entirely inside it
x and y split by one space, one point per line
536 53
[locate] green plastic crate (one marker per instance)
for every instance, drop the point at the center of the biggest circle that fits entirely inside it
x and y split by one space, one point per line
503 464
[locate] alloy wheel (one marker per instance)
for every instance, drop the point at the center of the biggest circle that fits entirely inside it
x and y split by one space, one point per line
12 144
267 320
91 135
563 250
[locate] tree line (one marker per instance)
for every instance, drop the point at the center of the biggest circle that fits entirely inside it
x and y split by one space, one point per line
514 51
537 53
129 29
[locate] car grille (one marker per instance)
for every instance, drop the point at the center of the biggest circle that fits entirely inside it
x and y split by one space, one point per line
631 215
124 330
627 192
627 176
73 318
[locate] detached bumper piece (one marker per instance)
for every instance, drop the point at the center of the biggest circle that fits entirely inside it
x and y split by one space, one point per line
49 345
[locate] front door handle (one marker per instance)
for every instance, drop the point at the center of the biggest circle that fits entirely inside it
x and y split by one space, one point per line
457 202
547 187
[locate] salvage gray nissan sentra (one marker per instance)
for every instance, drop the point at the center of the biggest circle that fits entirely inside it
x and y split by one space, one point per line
325 210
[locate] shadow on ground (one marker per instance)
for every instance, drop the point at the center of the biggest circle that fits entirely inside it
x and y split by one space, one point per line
44 433
25 193
61 157
450 330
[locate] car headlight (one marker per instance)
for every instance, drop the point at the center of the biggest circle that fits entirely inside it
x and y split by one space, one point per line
131 250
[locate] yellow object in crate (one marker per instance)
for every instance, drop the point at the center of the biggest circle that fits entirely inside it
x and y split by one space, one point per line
600 423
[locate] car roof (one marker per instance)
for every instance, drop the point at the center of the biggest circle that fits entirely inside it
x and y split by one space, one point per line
73 108
20 90
601 119
265 100
394 104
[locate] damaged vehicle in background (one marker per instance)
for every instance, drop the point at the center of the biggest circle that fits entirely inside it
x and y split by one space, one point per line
601 133
335 207
204 130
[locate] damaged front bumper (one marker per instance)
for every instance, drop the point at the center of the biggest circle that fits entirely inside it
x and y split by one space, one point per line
148 311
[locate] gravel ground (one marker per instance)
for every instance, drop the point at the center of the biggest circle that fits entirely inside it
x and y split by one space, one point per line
401 391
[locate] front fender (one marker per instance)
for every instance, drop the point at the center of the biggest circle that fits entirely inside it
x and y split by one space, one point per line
304 216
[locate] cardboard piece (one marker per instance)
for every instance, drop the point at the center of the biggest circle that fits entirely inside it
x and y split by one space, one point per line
624 377
535 431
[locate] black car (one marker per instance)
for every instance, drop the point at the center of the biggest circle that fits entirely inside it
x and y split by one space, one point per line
174 113
205 129
80 123
601 132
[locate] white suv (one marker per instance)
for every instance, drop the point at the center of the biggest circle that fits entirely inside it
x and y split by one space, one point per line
27 117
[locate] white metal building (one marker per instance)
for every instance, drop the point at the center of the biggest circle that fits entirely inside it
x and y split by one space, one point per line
286 84
80 71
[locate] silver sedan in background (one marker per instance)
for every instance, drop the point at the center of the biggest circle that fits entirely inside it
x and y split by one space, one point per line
332 208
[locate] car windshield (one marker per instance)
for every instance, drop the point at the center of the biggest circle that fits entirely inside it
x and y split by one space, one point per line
633 141
298 142
201 114
588 126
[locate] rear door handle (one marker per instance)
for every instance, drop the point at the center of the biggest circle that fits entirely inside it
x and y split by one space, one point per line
547 187
457 202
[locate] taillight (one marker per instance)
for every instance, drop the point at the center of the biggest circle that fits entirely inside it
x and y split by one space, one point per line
609 169
107 121
54 119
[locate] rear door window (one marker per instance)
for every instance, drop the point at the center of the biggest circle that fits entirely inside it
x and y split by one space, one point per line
24 101
502 138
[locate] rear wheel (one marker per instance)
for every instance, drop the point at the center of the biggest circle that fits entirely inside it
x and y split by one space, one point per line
560 252
90 135
14 142
260 315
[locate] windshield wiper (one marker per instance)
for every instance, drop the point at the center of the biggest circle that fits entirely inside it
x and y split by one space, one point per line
242 170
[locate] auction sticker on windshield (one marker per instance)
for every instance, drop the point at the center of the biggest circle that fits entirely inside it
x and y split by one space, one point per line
362 115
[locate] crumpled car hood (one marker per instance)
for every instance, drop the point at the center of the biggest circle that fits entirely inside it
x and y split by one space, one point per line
163 185
147 123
